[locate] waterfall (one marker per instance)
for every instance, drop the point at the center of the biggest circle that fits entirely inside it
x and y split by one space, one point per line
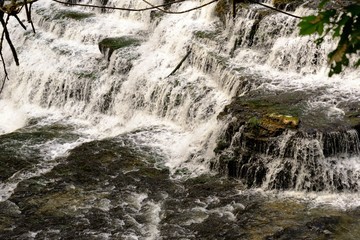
259 53
295 160
63 69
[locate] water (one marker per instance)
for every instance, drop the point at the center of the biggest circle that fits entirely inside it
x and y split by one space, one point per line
98 148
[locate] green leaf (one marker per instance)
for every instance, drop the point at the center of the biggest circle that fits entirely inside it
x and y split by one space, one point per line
339 53
320 29
344 26
340 24
311 24
322 3
307 28
327 15
335 69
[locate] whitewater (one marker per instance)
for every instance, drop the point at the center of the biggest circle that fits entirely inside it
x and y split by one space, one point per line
109 146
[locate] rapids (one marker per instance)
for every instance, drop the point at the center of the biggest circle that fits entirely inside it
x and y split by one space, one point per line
101 143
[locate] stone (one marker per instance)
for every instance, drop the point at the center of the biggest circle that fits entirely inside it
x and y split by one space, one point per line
108 45
280 126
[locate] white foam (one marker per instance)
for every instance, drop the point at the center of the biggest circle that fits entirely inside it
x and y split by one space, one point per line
50 151
11 117
342 201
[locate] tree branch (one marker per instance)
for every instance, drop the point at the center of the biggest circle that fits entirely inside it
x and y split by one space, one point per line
278 10
180 63
7 37
118 8
181 12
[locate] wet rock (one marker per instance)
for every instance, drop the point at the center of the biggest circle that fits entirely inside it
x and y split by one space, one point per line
108 45
315 229
278 128
99 188
205 185
271 125
14 161
70 14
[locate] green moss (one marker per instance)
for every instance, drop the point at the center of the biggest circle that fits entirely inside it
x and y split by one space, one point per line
290 121
266 106
205 34
272 124
108 45
72 15
353 118
254 122
116 43
88 75
269 121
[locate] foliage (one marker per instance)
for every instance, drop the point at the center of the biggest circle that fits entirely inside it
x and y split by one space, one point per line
341 23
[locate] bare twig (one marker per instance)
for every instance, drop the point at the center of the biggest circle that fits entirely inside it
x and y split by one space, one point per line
278 10
2 57
180 63
118 8
5 72
7 37
20 22
30 19
28 14
181 12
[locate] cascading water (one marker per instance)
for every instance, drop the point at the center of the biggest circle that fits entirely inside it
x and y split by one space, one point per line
103 142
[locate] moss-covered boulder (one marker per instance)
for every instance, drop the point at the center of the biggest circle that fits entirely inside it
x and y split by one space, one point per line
284 129
271 125
71 14
108 45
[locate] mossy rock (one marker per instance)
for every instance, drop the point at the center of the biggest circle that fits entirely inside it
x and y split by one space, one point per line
258 104
222 8
271 125
118 42
352 113
262 105
108 45
283 120
202 34
156 15
75 15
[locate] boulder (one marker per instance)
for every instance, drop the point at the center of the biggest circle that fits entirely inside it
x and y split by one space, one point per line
108 45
